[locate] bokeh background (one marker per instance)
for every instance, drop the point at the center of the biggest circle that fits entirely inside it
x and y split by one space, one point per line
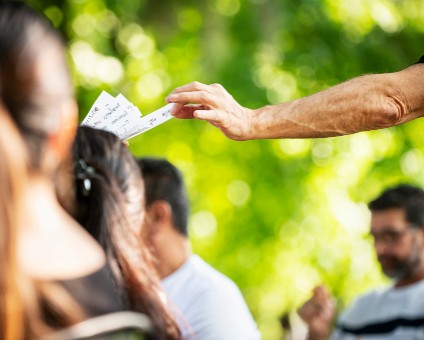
277 216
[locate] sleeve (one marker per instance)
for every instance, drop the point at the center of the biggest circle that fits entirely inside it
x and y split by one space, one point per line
224 315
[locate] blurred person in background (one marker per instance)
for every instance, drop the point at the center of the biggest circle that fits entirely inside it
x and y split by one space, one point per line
59 259
104 198
395 312
368 102
210 302
13 177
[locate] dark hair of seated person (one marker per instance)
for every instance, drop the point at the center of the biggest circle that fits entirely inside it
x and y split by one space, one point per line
108 201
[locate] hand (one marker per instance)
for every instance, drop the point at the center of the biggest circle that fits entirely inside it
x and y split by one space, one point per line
215 105
318 312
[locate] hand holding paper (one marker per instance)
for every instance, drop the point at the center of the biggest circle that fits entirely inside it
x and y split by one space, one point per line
121 117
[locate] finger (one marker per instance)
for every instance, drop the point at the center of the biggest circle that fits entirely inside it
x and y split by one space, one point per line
186 111
193 86
329 311
321 293
212 116
197 97
177 108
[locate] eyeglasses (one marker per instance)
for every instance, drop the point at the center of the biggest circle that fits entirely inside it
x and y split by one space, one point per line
390 237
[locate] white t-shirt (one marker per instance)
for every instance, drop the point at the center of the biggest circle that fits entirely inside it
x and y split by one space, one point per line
390 313
210 302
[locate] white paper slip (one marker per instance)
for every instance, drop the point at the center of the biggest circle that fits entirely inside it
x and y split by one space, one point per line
126 121
112 114
96 116
154 119
128 105
121 117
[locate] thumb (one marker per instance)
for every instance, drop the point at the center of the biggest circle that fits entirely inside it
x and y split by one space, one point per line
212 116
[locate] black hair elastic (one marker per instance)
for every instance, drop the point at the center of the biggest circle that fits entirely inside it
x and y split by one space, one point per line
84 174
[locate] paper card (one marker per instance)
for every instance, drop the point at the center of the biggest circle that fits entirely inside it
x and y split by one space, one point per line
154 119
129 118
128 105
95 117
119 116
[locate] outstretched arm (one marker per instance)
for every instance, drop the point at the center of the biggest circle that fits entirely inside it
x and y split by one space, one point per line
364 103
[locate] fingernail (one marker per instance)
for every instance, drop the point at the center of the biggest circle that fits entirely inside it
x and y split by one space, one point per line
170 98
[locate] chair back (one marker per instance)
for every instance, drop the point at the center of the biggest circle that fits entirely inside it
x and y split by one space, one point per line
120 325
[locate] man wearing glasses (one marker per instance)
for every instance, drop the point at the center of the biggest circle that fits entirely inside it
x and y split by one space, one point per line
395 312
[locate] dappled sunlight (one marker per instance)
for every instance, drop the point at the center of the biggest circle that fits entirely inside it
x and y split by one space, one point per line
189 19
149 87
412 162
180 151
294 147
136 42
202 224
238 192
94 67
83 25
348 214
386 15
54 14
227 7
249 256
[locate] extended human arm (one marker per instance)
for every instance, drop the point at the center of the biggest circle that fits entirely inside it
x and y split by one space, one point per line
364 103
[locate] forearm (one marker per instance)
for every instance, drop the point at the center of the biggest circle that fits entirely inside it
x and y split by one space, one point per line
365 103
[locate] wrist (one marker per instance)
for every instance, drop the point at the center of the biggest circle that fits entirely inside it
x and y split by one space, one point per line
249 116
318 337
322 334
263 123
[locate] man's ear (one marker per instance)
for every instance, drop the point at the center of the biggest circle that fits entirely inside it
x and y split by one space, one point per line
159 216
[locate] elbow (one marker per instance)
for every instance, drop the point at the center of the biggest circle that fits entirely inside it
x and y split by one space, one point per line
393 112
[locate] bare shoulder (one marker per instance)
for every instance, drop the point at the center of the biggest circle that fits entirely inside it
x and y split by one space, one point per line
59 249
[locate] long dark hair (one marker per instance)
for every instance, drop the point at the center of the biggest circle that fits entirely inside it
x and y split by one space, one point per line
31 99
12 181
109 203
34 75
25 303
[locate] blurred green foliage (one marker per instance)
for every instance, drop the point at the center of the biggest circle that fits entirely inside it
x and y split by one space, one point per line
277 216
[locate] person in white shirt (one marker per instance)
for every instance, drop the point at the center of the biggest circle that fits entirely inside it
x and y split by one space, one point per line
208 304
394 312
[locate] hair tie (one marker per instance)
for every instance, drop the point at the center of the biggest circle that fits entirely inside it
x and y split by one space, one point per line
84 173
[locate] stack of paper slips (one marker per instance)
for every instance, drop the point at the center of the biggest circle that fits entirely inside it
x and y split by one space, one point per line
119 116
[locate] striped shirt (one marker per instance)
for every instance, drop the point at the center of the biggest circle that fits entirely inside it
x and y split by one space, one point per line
390 313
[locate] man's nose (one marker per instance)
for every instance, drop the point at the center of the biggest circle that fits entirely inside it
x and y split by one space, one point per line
383 248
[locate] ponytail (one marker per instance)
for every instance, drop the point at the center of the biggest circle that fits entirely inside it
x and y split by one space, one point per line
109 203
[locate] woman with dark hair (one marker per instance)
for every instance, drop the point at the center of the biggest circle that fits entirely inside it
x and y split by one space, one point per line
12 182
68 279
108 202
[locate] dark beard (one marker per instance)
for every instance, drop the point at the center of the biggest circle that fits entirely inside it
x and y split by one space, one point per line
402 269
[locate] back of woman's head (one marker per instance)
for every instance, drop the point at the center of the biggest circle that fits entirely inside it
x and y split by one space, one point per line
109 202
106 180
34 78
